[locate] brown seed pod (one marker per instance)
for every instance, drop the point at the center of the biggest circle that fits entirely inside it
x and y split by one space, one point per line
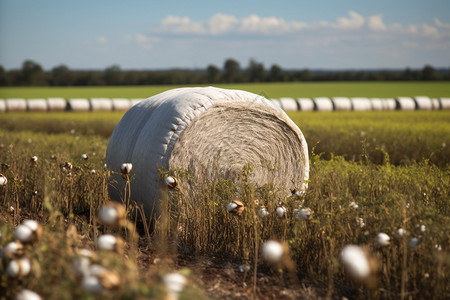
235 207
110 279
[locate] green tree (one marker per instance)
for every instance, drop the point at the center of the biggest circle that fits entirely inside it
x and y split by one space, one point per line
276 73
256 72
428 73
212 74
32 73
113 75
231 70
61 76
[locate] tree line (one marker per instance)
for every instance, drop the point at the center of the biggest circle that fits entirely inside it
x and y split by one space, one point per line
32 74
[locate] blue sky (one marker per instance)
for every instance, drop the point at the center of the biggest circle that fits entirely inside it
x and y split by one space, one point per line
145 34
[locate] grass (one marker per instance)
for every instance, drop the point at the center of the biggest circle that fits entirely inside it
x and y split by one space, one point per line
269 90
212 243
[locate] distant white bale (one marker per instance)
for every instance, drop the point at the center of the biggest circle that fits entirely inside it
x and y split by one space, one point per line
389 104
56 104
377 104
342 103
37 105
406 103
305 104
445 103
16 104
2 105
288 104
101 104
79 104
436 104
276 102
361 104
323 104
135 101
423 103
121 104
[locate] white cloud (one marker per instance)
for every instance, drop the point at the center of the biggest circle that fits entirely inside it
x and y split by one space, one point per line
102 40
221 24
182 25
440 24
375 23
354 22
144 41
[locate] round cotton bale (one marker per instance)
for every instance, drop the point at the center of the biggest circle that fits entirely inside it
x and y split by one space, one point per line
288 104
79 104
445 103
121 104
342 103
2 105
377 104
276 102
406 103
101 104
56 104
361 104
305 104
212 134
423 103
323 104
389 104
37 105
16 104
436 104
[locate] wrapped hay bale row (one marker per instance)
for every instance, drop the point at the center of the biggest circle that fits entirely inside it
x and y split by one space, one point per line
56 104
361 104
121 104
16 105
323 104
2 105
101 104
445 103
37 105
79 105
342 103
305 104
212 134
288 104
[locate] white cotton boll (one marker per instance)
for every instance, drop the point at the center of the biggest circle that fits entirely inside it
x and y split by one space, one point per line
105 166
174 283
360 222
34 158
353 205
92 284
382 239
96 270
438 247
108 215
3 180
423 228
170 182
355 262
23 233
18 267
32 224
263 212
126 168
400 232
303 214
107 242
84 156
231 206
93 171
413 243
11 249
280 211
80 266
27 295
272 251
